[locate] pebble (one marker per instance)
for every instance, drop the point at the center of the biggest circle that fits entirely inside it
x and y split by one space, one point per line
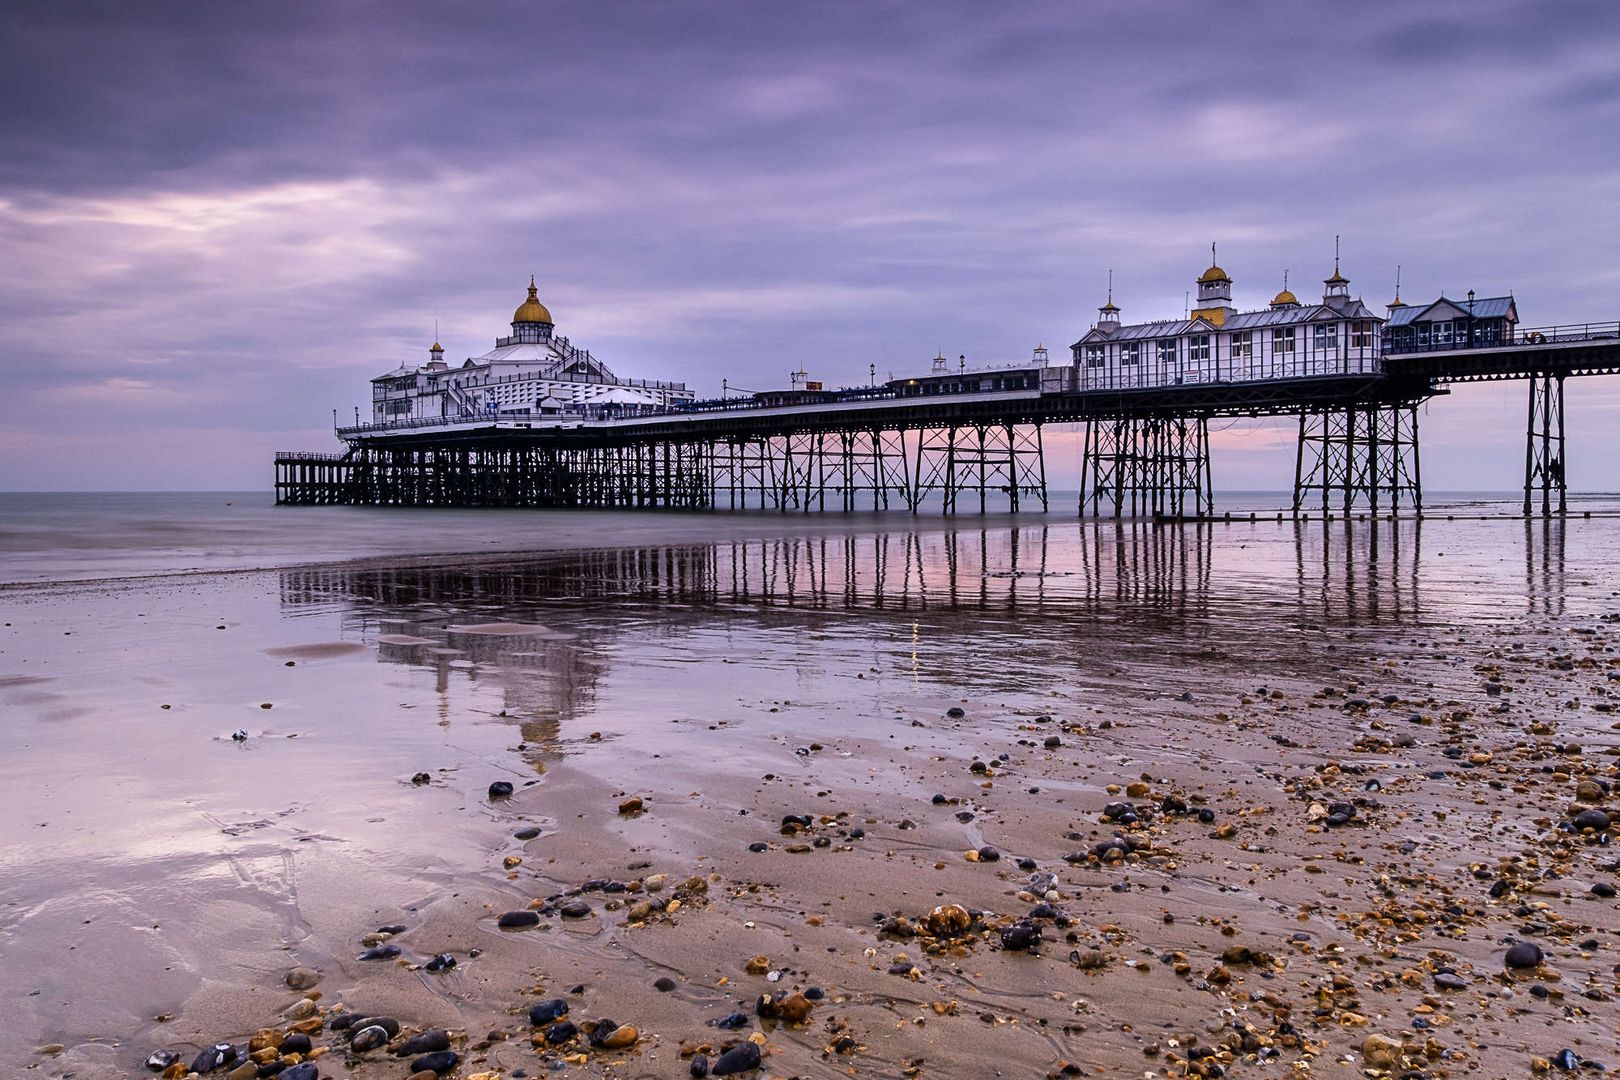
302 978
575 909
739 1058
296 1043
699 1066
441 1061
1596 820
380 952
619 1037
304 1070
430 1041
731 1021
1523 955
518 920
500 789
421 778
159 1060
1447 980
631 807
442 962
955 712
546 1011
528 832
368 1038
664 984
561 1032
1603 889
215 1057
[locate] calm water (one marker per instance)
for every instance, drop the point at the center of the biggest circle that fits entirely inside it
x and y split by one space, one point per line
92 535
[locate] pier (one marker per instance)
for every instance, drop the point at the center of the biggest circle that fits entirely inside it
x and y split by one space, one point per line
892 446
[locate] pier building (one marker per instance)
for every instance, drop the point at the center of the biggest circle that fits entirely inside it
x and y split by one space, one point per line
532 372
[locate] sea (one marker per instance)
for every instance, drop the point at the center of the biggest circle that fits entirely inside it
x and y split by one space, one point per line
87 536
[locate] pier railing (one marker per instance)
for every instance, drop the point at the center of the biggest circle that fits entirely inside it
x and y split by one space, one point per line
1564 334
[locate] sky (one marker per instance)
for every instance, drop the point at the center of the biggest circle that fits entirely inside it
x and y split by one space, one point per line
218 221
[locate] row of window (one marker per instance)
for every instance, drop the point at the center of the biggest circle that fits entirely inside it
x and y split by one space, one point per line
1324 338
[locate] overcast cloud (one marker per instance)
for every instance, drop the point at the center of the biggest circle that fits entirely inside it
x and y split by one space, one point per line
217 221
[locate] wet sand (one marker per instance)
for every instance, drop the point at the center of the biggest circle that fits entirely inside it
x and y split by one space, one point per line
1450 683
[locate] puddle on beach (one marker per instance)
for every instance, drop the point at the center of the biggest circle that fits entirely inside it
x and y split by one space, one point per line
156 866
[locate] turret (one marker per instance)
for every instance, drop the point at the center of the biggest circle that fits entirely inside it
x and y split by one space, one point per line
1214 293
531 322
1108 314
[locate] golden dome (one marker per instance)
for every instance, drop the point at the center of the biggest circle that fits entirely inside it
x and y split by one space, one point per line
1284 297
1336 279
532 310
436 347
1214 273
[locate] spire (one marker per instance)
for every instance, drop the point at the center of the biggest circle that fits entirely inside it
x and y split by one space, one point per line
1108 314
1337 278
1285 298
1397 302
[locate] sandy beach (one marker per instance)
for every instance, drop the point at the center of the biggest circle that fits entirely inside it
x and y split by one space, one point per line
1060 799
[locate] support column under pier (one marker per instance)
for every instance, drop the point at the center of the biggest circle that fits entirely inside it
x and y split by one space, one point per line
1544 457
1358 458
1147 465
980 459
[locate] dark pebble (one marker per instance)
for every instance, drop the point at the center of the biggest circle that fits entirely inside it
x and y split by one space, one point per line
161 1059
989 854
955 712
380 952
421 778
547 1011
296 1043
1020 937
215 1057
528 832
518 920
368 1037
758 846
1595 820
1603 889
441 1061
1565 1059
392 928
389 1025
1206 816
940 800
1522 955
500 789
442 962
857 834
1053 742
304 1070
1449 981
739 1058
731 1021
664 984
699 1066
576 909
561 1032
430 1041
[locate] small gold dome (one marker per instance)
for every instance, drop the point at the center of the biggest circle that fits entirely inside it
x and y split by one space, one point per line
1214 273
1336 279
1284 297
532 310
436 347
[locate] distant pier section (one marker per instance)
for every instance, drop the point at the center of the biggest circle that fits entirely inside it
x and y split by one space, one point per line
539 422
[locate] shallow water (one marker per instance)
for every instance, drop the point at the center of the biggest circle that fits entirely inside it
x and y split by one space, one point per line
150 864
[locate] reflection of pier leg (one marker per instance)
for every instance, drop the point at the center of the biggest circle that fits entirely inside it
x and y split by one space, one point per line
1544 457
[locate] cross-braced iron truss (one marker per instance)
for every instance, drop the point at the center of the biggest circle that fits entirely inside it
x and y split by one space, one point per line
1147 466
1358 458
980 459
1544 445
